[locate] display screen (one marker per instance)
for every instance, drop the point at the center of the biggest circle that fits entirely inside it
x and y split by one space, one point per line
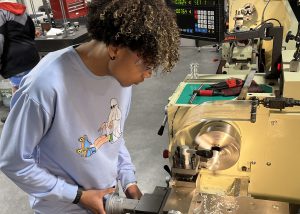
200 19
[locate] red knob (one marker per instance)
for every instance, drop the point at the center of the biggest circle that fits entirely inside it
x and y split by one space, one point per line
166 153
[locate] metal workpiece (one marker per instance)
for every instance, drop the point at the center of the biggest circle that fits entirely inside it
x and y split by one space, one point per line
148 204
117 205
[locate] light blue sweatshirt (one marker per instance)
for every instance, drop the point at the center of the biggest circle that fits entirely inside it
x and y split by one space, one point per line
64 130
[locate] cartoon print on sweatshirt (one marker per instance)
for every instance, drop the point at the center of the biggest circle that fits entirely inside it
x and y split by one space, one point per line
87 148
110 131
112 127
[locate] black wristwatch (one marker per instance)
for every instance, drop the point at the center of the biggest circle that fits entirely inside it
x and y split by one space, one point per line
78 196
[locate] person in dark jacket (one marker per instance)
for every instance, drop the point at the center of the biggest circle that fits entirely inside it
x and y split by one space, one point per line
18 54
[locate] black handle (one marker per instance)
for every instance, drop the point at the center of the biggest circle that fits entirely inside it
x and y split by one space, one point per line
167 168
161 129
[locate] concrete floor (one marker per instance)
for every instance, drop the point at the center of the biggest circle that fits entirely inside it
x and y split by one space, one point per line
145 118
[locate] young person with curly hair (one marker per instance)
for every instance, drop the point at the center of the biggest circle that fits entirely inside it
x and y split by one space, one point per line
63 141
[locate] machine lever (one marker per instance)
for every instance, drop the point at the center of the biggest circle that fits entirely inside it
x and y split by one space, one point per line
162 127
167 168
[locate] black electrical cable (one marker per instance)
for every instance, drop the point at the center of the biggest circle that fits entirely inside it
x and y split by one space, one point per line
271 19
172 129
263 13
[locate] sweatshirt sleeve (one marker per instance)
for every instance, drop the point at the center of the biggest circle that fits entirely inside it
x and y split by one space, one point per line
24 128
126 169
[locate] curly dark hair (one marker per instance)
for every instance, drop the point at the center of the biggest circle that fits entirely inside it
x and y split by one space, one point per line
147 27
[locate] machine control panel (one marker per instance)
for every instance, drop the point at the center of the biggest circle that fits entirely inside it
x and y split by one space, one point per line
200 19
204 21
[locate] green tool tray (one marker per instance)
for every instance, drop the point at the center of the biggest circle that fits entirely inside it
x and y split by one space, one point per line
187 92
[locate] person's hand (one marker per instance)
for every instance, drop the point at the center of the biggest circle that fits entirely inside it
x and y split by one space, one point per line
133 192
102 126
93 200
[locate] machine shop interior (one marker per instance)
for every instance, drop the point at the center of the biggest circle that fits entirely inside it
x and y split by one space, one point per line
230 110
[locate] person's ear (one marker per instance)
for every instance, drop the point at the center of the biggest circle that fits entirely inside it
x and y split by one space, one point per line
112 51
147 74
